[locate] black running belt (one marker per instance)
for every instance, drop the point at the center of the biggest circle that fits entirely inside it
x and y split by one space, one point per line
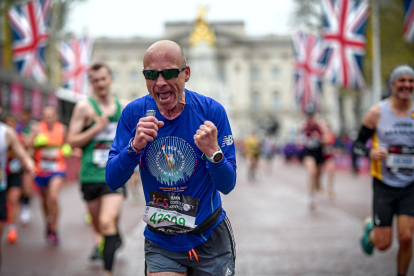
204 226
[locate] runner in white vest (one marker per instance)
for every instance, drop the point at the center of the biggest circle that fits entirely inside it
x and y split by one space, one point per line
390 124
8 139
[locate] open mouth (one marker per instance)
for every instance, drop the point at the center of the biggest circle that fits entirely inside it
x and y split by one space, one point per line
163 97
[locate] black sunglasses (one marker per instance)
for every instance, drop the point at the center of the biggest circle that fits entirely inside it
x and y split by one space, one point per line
168 74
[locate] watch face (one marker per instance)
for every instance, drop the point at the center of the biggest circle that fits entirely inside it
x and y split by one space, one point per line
217 157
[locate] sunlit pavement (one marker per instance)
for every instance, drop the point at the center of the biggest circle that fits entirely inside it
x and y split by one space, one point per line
276 233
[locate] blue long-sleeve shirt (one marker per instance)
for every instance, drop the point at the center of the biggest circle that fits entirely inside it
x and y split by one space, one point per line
172 163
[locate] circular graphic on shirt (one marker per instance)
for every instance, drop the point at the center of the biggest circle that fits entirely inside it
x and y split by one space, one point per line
171 160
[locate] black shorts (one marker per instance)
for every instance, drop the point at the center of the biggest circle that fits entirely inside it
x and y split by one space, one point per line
15 180
216 257
389 201
315 154
92 191
3 208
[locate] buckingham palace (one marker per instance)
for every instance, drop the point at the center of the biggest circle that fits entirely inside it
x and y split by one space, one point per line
252 77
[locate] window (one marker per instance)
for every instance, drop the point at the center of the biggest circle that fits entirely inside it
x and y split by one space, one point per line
133 76
255 100
276 101
275 73
255 73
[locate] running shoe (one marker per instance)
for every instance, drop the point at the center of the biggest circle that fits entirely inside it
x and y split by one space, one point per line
95 254
25 214
53 238
365 241
12 235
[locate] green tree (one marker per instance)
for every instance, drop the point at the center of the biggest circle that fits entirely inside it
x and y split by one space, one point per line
307 14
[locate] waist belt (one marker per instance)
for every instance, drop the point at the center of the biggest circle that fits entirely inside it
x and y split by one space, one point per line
204 226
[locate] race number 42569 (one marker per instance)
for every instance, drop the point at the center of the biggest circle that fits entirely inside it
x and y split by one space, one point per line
157 218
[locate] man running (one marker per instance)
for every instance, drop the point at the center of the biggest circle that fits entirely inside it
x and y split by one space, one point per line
14 170
390 124
8 139
328 155
48 139
252 148
92 128
176 135
311 136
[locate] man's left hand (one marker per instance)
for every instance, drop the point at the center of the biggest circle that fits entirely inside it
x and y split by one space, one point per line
206 138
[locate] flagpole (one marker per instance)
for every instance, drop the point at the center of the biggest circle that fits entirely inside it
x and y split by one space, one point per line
376 54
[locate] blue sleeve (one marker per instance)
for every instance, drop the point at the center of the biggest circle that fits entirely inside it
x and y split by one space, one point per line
223 174
121 164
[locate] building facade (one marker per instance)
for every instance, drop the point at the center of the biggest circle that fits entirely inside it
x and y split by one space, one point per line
251 76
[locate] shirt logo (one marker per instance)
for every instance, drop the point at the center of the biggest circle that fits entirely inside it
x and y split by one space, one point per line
228 272
227 141
171 160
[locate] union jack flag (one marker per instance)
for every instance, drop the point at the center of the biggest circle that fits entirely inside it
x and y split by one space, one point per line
76 56
310 59
344 34
408 32
29 24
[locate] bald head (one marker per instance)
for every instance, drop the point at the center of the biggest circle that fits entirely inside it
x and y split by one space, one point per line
50 114
165 50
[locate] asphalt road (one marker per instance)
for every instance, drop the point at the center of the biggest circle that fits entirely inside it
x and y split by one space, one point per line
276 233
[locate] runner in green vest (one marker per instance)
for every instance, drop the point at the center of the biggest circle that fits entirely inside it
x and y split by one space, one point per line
92 128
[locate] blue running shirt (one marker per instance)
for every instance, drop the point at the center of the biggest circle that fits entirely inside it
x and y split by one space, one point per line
172 165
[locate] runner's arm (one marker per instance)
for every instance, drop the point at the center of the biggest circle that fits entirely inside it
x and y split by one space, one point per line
19 150
121 164
76 136
368 127
223 174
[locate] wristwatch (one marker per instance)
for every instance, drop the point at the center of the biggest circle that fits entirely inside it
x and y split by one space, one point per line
217 156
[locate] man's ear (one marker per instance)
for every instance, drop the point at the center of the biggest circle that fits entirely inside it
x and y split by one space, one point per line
187 72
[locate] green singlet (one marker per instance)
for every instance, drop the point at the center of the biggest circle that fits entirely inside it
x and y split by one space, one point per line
95 153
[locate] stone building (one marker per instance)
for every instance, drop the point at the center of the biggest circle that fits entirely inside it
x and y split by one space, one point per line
251 76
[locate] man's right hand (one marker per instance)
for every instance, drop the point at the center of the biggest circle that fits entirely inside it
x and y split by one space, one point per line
101 122
378 154
147 130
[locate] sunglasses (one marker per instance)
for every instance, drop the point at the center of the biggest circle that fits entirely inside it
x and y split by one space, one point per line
168 74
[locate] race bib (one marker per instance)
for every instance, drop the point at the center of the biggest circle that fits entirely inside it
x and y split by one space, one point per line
48 165
313 143
400 159
100 154
49 153
108 133
172 213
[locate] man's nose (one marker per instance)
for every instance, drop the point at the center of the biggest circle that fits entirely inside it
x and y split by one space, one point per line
408 83
160 80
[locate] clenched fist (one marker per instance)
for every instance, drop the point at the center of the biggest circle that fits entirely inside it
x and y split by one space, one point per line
378 154
206 138
147 130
